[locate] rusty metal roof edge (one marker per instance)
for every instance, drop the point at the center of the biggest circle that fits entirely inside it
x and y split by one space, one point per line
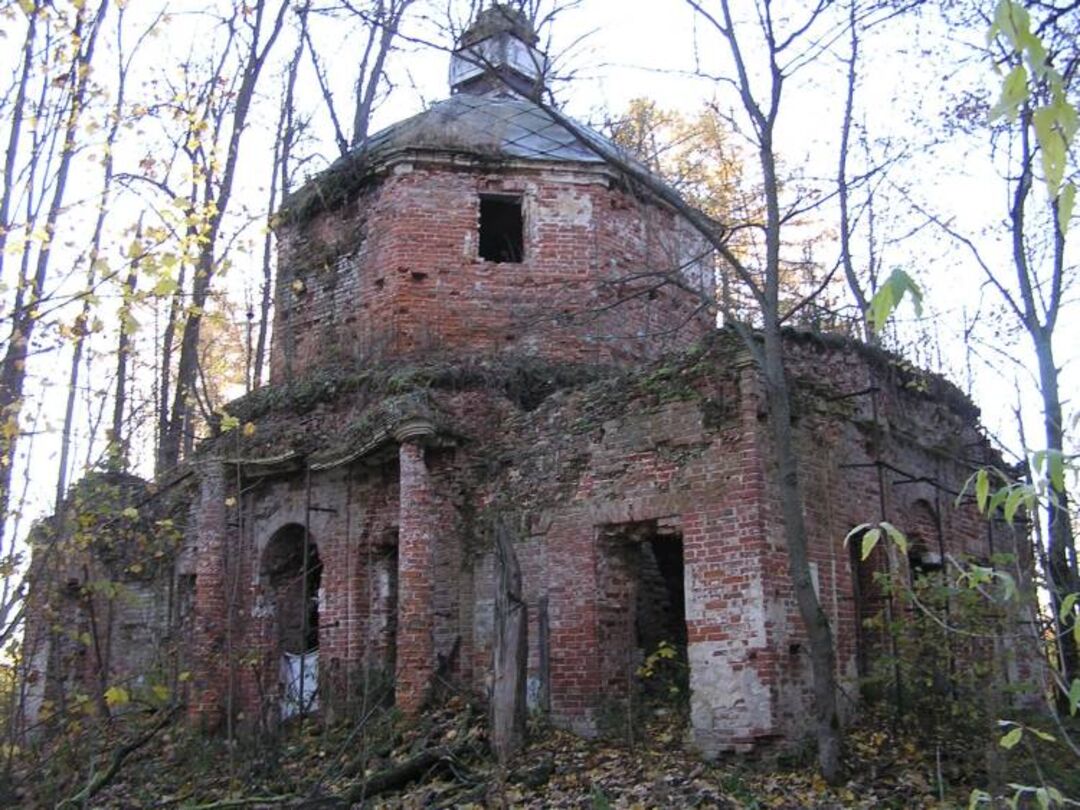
381 438
267 461
467 159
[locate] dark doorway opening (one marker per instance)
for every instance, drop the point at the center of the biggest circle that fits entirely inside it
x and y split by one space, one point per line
385 609
502 232
660 620
643 645
292 570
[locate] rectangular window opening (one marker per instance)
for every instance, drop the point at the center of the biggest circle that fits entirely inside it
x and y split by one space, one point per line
502 232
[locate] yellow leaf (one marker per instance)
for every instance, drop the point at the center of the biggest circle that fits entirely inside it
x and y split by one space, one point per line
249 429
116 696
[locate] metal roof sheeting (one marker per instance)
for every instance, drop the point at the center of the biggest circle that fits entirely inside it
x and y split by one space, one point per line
486 125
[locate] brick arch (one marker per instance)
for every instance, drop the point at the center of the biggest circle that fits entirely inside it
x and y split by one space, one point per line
925 541
292 591
869 602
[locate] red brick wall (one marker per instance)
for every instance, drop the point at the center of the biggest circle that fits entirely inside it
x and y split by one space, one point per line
211 535
688 450
396 273
416 581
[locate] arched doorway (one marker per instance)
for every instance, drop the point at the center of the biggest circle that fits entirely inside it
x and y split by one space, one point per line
291 573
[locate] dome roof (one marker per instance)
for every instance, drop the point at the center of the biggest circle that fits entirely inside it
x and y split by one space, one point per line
496 126
490 125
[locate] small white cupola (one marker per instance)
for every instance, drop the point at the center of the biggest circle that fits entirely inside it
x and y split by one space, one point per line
498 53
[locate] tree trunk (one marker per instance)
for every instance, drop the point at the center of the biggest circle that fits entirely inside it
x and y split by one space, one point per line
818 631
24 317
843 188
1061 551
15 113
118 440
215 192
508 693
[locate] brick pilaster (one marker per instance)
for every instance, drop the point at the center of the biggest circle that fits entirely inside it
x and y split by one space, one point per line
208 627
416 553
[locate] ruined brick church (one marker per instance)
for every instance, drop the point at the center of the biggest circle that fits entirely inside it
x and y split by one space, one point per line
479 318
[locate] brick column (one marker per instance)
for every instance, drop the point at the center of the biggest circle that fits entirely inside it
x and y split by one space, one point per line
418 520
208 627
732 570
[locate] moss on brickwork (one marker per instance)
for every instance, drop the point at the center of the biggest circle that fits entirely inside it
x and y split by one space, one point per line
345 179
681 377
524 380
333 412
322 257
327 191
898 371
287 418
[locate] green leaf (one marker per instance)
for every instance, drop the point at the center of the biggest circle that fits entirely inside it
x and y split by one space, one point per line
229 422
889 296
870 540
997 499
857 530
1056 470
982 488
1065 202
1010 739
1055 125
1036 56
1051 146
131 513
1009 584
165 286
1067 605
128 324
1013 502
979 575
1014 92
1013 20
896 536
1074 696
1043 735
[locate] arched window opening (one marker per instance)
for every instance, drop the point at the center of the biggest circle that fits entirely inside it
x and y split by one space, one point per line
871 602
293 572
926 545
